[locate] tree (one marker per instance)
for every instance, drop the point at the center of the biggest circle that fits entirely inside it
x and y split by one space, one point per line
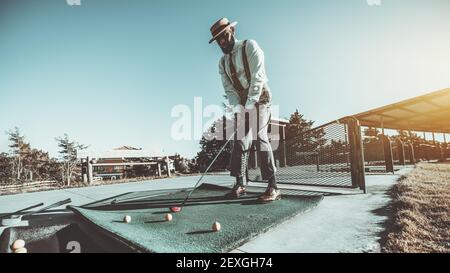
413 137
181 164
209 148
371 132
300 137
193 166
68 154
26 162
18 149
39 166
5 168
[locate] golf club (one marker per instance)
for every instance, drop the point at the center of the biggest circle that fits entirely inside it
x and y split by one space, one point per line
8 215
15 219
177 209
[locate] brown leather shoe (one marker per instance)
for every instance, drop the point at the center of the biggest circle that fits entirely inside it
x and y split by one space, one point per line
238 191
270 195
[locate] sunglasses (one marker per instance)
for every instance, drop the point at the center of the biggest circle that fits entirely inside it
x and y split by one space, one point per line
225 35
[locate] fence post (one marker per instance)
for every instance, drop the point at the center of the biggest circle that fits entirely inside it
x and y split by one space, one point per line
318 162
411 153
90 176
159 170
356 154
168 166
441 153
282 147
224 128
84 170
401 152
388 157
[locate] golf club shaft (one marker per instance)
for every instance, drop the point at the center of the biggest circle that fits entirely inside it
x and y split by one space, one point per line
54 205
207 169
21 210
214 160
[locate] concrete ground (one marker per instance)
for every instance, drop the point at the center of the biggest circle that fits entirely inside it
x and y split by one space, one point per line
341 223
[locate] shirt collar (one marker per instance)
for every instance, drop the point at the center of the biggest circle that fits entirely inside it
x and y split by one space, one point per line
237 45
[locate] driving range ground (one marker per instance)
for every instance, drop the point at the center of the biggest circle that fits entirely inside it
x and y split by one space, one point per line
191 230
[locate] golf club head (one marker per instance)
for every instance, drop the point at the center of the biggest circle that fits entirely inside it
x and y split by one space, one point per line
175 209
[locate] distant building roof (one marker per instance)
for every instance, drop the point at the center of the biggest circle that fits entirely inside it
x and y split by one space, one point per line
280 121
127 148
121 153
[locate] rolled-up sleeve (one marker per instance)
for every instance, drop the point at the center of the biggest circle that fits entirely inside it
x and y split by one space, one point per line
231 94
257 71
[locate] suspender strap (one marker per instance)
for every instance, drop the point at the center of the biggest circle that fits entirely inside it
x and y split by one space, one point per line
245 61
243 93
234 77
226 73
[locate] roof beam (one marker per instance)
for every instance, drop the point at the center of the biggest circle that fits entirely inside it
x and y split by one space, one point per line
432 117
408 102
432 128
435 105
430 114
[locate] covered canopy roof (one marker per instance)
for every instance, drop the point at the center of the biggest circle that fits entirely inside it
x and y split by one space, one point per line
429 113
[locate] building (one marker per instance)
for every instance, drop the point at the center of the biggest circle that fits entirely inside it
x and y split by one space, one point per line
123 162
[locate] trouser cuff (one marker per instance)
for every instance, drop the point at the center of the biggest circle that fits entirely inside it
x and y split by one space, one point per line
273 182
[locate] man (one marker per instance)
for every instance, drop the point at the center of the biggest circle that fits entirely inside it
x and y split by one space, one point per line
245 84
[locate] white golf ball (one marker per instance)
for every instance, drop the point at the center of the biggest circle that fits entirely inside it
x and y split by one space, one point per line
169 217
20 250
127 219
19 243
216 226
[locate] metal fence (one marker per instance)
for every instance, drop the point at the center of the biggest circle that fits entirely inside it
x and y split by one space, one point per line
324 156
384 154
374 154
402 152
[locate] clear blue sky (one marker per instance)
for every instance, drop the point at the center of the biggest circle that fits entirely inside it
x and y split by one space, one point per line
108 72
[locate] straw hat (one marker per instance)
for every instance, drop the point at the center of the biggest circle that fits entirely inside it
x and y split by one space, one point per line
219 27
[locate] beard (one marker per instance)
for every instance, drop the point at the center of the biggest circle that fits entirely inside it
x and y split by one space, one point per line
228 47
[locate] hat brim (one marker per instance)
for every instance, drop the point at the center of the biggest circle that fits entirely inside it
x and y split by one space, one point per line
220 32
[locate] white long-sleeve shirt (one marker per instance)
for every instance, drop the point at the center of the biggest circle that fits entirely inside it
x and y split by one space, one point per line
258 82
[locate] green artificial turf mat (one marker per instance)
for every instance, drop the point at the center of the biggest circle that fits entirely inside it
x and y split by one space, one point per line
191 229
